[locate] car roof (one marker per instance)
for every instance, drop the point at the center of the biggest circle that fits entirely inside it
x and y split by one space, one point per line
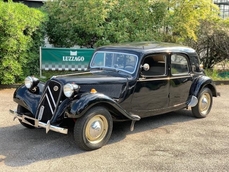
148 47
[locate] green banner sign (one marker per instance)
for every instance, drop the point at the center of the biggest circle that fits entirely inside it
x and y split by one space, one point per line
65 58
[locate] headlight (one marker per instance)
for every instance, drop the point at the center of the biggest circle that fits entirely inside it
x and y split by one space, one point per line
69 89
31 82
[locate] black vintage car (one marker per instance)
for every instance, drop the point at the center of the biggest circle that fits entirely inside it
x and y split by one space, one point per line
124 82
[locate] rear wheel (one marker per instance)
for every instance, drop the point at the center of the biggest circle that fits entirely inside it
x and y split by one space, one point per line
203 107
94 129
22 110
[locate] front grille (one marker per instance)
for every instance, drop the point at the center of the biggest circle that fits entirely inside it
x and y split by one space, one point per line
49 101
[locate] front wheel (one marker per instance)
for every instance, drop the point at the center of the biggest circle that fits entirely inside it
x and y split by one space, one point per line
93 129
203 107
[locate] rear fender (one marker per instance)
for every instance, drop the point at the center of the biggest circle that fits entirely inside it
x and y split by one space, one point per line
81 106
202 82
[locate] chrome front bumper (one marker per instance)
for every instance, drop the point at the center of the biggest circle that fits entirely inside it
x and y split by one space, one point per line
38 124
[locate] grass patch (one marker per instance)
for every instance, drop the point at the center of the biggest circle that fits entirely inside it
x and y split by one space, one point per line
217 75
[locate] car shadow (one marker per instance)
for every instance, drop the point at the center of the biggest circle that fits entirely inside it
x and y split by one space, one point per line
122 129
21 146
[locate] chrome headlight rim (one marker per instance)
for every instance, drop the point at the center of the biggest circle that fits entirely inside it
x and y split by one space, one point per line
70 89
28 82
31 82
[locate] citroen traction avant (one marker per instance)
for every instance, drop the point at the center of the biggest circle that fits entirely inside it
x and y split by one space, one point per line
123 82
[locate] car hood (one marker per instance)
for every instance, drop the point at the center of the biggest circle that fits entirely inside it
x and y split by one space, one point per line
111 84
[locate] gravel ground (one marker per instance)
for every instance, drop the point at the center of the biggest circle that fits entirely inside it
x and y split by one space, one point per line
171 142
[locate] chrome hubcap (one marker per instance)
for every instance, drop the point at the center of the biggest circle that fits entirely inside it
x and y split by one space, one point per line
205 103
96 129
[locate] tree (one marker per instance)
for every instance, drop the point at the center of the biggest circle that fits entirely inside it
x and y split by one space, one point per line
20 38
98 22
212 44
183 18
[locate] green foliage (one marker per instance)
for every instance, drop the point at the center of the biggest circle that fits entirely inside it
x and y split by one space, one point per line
183 18
212 44
99 22
217 75
21 34
212 73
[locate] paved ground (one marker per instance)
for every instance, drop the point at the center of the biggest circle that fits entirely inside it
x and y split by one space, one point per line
170 142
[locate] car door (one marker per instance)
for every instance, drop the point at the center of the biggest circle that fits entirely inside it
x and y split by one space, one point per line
152 88
181 79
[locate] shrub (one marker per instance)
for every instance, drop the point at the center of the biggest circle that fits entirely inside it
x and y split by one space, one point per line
21 34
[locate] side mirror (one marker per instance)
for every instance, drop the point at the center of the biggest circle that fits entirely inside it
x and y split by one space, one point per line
145 67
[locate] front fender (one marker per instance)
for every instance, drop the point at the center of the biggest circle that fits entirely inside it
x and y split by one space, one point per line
27 99
81 106
201 82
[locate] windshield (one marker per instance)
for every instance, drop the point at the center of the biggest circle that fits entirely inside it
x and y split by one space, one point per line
114 60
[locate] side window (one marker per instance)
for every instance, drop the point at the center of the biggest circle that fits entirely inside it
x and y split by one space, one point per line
195 64
179 64
157 64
